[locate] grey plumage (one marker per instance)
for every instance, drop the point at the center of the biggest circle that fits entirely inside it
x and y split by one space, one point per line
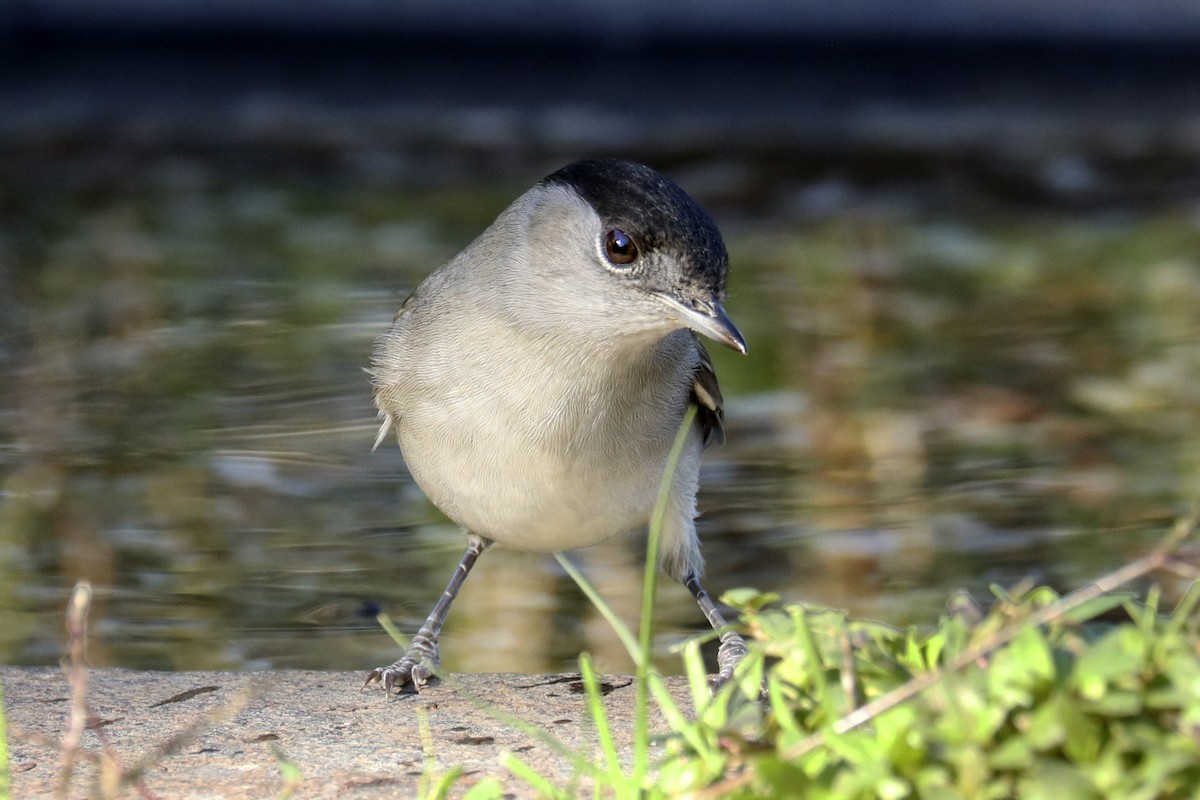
536 380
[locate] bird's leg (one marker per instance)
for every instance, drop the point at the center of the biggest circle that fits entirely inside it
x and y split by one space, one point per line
733 646
421 661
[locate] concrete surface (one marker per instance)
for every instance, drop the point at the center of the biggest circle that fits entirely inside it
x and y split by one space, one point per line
345 742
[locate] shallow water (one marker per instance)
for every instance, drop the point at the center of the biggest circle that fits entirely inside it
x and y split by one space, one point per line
938 397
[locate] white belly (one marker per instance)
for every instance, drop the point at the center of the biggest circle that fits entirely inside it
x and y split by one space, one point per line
555 467
531 503
529 484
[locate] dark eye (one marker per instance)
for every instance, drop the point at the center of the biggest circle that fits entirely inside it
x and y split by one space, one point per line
619 248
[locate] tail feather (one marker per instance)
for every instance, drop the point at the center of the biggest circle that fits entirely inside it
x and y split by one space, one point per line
384 427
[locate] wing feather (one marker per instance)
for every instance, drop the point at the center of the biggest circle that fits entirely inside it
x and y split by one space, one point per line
706 394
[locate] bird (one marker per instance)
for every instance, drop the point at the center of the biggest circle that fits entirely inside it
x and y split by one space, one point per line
536 381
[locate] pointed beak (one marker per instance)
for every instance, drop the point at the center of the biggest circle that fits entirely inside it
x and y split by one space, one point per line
707 318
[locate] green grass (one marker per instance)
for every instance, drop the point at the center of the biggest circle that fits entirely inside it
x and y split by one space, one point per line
1093 694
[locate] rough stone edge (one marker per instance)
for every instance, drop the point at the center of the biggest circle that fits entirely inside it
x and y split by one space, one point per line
345 742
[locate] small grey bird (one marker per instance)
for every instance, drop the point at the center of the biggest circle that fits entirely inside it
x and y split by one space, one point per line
536 381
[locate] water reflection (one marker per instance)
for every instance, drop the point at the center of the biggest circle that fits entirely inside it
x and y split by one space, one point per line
928 406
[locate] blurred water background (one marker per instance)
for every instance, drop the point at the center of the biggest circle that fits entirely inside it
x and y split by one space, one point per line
967 266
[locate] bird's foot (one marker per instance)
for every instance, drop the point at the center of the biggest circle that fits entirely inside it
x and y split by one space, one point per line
732 651
411 672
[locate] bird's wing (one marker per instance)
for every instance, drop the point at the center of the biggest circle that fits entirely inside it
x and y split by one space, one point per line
378 365
706 393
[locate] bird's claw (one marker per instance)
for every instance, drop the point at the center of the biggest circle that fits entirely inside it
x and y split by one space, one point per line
732 651
409 674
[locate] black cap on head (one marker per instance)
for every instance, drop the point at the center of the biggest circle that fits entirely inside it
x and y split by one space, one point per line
660 217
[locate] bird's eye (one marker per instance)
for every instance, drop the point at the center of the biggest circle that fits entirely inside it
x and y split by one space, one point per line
619 248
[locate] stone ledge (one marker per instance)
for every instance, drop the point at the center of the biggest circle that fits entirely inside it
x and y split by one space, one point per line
346 743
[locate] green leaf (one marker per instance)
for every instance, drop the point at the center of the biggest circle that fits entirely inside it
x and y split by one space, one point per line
1117 656
1046 729
857 748
486 789
744 599
935 645
1022 670
784 780
1117 703
1085 734
1015 752
1096 607
892 788
1054 780
1031 650
442 785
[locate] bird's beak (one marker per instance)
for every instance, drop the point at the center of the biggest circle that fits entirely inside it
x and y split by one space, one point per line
708 318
